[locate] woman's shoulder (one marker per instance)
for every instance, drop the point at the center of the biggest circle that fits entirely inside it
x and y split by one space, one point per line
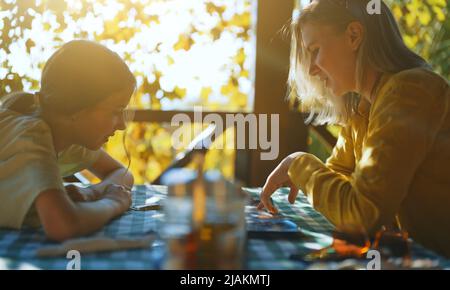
417 91
422 85
420 78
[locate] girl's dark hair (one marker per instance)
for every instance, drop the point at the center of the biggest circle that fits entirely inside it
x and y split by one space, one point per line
77 76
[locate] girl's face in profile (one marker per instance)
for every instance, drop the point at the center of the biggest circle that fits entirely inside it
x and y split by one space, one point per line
94 126
333 57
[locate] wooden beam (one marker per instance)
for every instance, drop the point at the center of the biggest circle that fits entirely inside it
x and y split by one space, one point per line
141 115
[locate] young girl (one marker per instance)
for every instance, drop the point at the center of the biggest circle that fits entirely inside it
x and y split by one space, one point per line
59 131
392 156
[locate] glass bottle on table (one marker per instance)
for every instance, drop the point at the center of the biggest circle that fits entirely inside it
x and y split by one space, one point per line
213 220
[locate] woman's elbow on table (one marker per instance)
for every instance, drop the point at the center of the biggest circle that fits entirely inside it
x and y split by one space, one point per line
354 213
57 215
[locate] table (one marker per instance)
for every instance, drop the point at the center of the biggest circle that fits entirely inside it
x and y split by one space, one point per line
18 248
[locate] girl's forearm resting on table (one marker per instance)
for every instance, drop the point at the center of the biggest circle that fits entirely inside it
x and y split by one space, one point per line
110 171
119 176
63 219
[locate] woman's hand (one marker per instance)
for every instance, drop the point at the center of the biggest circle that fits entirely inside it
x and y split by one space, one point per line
83 194
278 178
120 195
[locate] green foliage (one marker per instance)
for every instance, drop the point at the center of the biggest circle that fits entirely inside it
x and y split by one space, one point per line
425 27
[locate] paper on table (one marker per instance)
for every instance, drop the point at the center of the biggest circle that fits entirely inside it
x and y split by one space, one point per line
95 244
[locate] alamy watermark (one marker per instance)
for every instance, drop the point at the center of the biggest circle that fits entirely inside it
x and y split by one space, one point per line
374 7
258 131
75 260
375 262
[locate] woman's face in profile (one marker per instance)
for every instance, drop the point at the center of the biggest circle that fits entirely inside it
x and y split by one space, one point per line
333 57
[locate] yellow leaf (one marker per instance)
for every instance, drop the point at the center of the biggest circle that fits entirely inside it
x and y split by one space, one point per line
204 94
47 26
217 31
153 18
244 73
440 3
177 93
141 147
240 57
181 92
170 60
424 16
410 19
411 41
211 8
241 20
397 11
227 89
439 14
184 42
239 99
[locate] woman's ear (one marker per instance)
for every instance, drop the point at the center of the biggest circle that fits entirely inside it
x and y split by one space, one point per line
354 35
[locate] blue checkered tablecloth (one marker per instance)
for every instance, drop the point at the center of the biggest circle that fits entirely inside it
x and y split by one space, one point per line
18 248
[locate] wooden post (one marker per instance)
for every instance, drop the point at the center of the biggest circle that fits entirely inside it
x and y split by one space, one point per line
272 66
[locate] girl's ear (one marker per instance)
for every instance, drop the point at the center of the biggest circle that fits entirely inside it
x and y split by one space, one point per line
354 35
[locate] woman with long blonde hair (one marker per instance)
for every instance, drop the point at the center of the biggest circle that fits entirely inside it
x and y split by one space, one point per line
391 160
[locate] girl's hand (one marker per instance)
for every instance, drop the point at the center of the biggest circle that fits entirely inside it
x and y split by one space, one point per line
83 194
120 195
278 178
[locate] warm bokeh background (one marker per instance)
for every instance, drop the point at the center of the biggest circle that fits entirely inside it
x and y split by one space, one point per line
183 52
